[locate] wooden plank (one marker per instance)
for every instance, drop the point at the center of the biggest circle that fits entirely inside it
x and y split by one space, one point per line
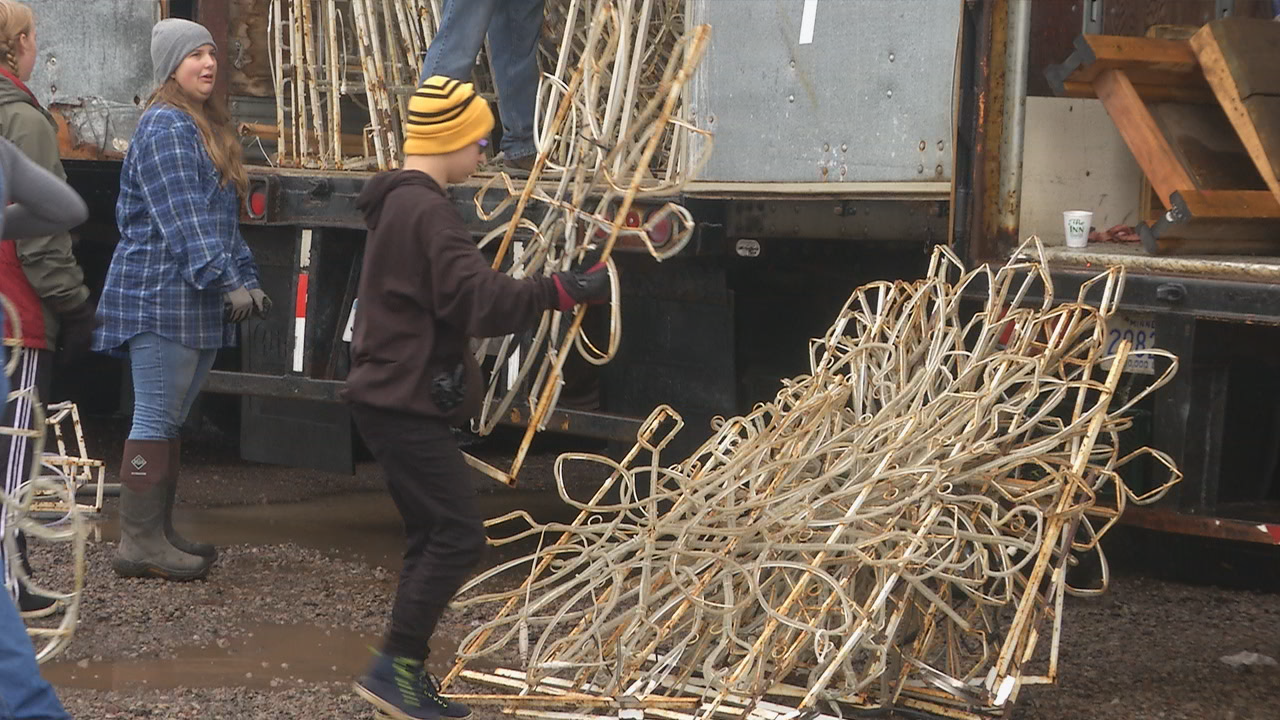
1252 51
1220 222
1239 58
1241 204
1150 93
1147 61
1142 135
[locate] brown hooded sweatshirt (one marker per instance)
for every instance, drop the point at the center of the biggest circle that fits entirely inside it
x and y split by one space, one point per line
425 288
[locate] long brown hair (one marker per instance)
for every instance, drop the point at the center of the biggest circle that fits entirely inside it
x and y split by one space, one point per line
16 20
214 123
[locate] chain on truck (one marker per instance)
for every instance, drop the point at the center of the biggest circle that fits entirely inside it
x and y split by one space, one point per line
835 164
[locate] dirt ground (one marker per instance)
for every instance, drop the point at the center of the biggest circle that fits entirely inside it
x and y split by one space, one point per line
309 563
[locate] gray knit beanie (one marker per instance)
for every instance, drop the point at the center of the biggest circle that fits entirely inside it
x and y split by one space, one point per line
172 41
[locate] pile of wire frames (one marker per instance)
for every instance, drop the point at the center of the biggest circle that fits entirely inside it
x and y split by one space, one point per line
44 508
892 530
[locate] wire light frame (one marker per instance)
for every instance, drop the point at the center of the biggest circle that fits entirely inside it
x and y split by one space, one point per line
892 530
22 513
596 159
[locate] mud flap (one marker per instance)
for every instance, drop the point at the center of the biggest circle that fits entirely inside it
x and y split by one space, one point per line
286 431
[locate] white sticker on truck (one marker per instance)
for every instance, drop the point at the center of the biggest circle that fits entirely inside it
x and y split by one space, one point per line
351 322
807 21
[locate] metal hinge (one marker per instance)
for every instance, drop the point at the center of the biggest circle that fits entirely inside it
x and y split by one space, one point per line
1091 23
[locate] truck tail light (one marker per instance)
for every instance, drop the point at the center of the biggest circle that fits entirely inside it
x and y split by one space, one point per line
658 227
258 202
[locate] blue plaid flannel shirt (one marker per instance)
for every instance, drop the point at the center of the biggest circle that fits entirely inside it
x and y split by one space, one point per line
180 246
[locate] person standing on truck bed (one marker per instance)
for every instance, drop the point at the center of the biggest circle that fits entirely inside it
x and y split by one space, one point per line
425 289
36 203
513 27
180 259
39 275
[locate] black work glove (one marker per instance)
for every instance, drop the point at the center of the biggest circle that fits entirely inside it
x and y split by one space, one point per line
576 287
75 336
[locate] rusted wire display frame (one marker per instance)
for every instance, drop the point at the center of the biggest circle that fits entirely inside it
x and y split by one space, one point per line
71 462
20 514
598 155
370 52
892 530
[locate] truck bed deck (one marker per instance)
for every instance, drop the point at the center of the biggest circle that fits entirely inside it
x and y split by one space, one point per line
1255 268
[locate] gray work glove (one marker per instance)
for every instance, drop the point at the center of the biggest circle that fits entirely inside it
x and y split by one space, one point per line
237 305
261 303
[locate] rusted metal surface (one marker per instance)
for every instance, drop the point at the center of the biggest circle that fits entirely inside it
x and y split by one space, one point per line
984 200
1231 267
1018 38
73 146
1172 521
94 71
1054 27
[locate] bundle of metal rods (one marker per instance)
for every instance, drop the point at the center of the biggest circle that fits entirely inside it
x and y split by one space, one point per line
893 529
594 163
67 527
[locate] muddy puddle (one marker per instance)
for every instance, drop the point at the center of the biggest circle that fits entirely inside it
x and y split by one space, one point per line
362 526
267 656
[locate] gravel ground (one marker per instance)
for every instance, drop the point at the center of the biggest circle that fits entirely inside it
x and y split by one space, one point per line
281 627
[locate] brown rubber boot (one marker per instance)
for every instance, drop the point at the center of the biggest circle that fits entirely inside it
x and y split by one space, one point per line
144 550
204 550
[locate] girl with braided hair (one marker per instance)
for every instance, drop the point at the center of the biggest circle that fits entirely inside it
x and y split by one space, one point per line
39 275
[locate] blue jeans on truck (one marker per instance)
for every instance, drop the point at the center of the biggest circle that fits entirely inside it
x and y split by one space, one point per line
24 694
514 27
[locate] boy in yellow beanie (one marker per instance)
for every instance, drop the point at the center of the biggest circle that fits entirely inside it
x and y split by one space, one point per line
425 288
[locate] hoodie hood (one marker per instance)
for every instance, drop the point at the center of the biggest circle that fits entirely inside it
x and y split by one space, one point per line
375 193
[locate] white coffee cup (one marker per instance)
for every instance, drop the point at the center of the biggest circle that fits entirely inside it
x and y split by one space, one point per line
1076 224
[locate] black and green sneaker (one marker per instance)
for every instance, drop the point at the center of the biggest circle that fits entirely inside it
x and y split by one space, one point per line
401 689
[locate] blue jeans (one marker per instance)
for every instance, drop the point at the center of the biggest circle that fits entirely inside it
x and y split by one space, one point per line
514 27
24 694
167 377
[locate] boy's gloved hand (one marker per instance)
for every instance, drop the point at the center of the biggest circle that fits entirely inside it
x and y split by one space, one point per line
261 303
237 305
575 287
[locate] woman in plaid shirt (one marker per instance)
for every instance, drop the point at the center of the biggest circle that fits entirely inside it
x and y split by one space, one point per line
180 280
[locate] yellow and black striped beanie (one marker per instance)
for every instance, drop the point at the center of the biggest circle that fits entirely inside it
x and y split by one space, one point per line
445 115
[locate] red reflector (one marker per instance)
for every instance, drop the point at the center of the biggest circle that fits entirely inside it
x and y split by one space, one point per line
633 219
660 231
258 203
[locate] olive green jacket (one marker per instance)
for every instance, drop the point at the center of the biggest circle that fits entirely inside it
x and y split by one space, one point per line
48 262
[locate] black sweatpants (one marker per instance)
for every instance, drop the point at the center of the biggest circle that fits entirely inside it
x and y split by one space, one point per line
432 488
